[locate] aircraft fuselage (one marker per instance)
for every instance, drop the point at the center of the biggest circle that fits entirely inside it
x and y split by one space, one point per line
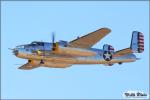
93 56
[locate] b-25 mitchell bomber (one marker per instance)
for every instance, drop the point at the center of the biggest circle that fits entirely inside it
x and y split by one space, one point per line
63 54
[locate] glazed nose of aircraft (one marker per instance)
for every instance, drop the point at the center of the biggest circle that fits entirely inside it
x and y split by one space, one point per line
15 52
17 49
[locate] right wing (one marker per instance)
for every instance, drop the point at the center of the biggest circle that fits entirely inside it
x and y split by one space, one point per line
90 39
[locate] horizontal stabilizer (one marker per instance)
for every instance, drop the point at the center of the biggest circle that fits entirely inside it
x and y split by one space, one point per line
122 52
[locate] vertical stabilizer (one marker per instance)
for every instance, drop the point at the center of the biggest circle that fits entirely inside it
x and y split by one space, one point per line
137 42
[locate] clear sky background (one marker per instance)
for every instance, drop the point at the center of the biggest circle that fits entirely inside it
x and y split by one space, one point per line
24 22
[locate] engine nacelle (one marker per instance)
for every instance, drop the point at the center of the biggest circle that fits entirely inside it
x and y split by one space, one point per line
108 48
34 62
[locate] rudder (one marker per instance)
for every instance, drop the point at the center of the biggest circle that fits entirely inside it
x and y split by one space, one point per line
137 42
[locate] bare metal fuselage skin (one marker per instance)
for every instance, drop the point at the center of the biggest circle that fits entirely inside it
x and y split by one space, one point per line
25 52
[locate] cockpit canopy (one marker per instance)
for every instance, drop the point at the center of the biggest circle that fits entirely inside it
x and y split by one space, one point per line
31 45
36 43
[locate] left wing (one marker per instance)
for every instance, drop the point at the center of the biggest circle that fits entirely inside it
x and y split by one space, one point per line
28 66
56 65
90 39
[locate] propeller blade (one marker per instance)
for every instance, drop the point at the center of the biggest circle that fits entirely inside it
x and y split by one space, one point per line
11 49
53 37
55 45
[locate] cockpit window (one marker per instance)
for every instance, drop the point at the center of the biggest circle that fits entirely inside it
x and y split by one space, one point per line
34 43
37 43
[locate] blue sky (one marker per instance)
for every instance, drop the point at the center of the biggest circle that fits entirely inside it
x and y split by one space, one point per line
23 22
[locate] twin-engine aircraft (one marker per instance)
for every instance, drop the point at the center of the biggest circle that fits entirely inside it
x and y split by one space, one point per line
63 54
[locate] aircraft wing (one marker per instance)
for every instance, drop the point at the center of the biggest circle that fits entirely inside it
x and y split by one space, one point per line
90 39
122 52
27 66
56 65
